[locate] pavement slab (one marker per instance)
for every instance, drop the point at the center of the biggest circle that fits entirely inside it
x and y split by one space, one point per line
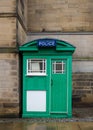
47 126
86 126
82 120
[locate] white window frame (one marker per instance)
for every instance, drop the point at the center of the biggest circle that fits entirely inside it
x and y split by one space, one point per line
59 71
37 73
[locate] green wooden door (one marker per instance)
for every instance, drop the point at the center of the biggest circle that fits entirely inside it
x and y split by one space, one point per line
35 85
59 86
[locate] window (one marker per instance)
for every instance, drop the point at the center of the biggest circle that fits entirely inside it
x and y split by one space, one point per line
58 67
36 67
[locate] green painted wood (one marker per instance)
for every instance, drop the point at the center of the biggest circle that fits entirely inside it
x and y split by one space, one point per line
58 87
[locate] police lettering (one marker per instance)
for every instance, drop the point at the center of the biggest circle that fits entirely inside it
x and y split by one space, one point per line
46 43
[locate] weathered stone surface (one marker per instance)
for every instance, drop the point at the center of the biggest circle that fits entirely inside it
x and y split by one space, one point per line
8 33
9 84
21 34
13 20
22 11
9 77
7 6
82 89
9 112
10 105
60 15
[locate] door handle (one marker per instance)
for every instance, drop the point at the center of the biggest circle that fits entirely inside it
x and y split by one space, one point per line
51 82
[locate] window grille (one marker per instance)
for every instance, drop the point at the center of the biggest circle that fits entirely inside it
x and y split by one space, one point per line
58 67
36 66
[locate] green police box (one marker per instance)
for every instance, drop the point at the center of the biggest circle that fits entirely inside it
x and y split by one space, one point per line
47 78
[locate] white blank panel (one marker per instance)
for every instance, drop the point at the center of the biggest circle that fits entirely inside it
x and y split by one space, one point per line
36 101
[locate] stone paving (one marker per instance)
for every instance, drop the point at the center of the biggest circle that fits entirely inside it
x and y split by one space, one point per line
47 126
82 120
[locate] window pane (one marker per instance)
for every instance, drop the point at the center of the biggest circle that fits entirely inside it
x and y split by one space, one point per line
58 67
36 66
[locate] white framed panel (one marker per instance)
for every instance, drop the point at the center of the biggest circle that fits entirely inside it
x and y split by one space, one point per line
36 101
58 67
36 67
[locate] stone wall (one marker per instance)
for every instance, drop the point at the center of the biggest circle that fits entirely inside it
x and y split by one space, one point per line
21 34
21 21
7 7
82 83
83 89
12 34
9 85
60 15
8 32
22 12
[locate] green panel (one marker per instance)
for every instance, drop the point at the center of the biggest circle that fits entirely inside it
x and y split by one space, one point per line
70 86
59 90
57 87
35 83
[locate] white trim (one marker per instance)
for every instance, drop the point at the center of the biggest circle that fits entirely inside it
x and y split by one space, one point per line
67 72
27 66
37 73
61 112
54 67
